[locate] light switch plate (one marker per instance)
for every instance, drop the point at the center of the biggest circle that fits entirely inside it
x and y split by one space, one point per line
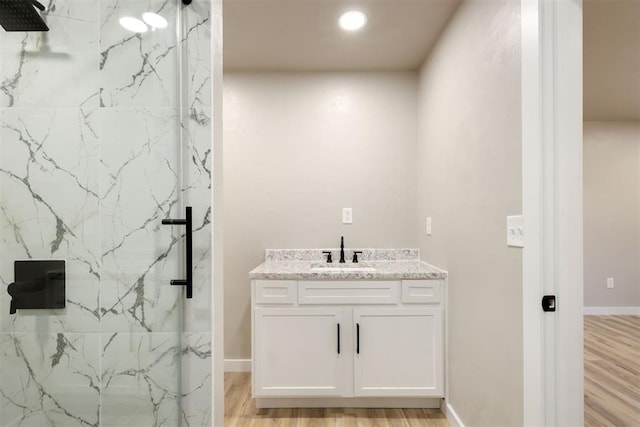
428 226
515 231
347 215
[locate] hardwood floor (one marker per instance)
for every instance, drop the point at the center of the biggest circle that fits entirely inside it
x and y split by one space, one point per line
612 370
240 411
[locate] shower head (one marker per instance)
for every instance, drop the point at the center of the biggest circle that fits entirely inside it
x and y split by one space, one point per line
20 15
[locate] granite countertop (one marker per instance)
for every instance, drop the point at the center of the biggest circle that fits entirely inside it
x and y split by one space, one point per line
388 264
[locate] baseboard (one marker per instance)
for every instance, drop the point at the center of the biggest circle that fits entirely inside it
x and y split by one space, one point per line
348 402
452 416
611 311
237 365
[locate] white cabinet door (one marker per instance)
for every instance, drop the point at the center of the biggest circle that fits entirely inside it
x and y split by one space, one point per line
296 352
399 352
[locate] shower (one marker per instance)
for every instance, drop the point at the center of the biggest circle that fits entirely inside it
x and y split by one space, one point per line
20 15
104 133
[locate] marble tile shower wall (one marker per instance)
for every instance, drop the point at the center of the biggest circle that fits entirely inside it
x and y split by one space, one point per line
90 163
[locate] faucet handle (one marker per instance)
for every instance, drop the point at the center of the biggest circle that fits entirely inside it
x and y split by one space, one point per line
355 256
328 254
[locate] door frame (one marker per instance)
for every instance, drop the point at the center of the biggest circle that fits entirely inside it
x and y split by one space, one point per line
552 208
217 219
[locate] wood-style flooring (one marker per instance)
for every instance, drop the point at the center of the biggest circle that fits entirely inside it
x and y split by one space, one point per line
612 371
240 411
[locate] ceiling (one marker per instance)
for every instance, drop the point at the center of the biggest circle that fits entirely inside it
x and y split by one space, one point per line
303 35
611 59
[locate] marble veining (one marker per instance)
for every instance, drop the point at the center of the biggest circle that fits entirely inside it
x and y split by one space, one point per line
53 69
138 188
49 380
145 381
301 264
49 209
96 148
137 69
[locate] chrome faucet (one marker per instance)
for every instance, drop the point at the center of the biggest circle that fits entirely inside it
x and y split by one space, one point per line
342 250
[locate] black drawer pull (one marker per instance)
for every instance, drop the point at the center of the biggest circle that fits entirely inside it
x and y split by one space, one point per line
358 338
338 338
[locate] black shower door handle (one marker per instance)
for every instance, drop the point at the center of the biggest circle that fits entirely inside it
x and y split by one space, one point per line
189 250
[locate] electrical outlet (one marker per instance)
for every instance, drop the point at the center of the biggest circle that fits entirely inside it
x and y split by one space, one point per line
347 215
610 283
515 231
428 228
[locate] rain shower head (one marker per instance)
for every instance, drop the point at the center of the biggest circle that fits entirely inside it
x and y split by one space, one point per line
20 15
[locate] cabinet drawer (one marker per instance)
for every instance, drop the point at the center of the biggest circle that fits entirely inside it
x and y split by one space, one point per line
348 292
421 292
276 292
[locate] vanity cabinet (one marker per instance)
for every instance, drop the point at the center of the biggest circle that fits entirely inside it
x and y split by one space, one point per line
297 352
348 339
398 352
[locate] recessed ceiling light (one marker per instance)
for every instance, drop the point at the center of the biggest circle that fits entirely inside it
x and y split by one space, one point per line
352 20
133 24
154 20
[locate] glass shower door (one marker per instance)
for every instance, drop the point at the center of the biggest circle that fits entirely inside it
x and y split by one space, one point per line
104 133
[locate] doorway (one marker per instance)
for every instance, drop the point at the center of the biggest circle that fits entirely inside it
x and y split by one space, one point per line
280 185
611 211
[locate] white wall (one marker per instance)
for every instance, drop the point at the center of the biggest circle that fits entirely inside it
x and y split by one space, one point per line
298 148
612 213
469 178
611 60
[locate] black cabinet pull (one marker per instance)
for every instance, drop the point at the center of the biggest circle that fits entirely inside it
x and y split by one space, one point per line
189 250
338 338
358 338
